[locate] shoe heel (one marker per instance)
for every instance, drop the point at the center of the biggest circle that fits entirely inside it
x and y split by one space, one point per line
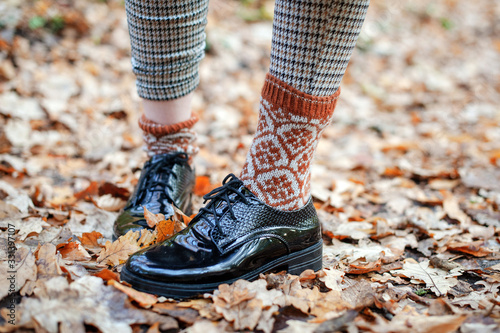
310 258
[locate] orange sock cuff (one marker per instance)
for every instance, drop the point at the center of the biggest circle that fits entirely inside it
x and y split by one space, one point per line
296 102
158 130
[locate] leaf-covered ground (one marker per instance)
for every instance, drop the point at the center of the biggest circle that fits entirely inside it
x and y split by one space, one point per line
406 180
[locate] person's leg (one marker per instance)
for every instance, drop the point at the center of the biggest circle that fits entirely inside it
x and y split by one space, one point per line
168 112
168 42
312 43
267 220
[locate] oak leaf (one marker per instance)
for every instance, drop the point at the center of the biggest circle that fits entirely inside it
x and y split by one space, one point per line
438 280
118 251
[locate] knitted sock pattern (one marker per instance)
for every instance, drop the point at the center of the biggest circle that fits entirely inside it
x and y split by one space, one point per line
277 168
313 41
162 139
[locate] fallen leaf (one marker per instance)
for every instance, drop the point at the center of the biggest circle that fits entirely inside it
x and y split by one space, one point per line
47 262
332 278
476 248
452 209
107 275
439 281
186 315
85 301
15 274
73 251
365 268
248 304
151 218
410 321
148 238
109 203
181 219
90 241
143 299
386 277
113 190
90 191
118 251
164 230
31 226
202 186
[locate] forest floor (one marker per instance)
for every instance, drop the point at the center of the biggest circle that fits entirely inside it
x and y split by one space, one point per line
406 179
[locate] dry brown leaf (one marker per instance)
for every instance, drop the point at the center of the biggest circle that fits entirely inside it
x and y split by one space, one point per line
90 241
452 209
325 305
357 294
148 238
181 219
18 273
73 251
143 299
386 277
47 261
186 315
85 301
365 268
107 275
410 321
115 191
155 328
332 278
248 305
109 203
30 227
203 306
476 248
90 191
438 280
118 251
153 219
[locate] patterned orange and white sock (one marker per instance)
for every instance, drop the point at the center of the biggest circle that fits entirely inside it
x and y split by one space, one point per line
277 169
163 139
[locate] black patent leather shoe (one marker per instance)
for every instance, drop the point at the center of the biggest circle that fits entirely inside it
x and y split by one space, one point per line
235 236
165 179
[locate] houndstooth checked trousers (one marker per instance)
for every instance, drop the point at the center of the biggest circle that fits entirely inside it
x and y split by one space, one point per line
311 46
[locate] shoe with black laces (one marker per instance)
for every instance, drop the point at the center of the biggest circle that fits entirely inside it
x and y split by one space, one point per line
235 236
165 180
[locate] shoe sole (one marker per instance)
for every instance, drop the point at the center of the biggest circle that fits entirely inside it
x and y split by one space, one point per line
294 263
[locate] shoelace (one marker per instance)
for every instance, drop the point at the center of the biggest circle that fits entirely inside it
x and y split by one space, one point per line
230 184
151 183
